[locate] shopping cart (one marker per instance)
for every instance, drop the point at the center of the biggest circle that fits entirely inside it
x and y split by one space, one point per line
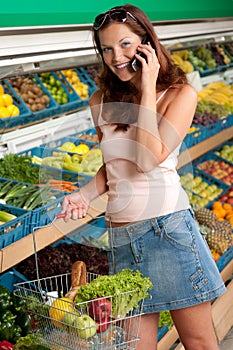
58 325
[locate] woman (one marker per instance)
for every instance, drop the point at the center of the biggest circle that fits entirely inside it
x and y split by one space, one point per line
142 113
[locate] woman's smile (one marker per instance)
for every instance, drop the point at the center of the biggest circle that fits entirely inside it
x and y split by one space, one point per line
119 45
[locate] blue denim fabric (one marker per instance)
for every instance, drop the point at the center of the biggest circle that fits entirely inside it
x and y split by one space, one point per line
171 251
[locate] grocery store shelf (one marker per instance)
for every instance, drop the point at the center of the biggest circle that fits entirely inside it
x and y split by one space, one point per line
205 146
45 131
35 49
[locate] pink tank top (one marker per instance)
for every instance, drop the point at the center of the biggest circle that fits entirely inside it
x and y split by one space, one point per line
134 196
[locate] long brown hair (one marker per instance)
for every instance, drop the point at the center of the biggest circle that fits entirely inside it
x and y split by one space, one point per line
115 90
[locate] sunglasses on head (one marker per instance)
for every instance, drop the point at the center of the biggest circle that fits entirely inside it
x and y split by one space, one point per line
115 14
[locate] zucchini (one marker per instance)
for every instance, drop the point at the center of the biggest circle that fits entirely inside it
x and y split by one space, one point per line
5 217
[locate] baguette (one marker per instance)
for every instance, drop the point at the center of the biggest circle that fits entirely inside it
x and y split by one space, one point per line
78 279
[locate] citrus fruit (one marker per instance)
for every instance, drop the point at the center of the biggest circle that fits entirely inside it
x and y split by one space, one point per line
68 146
59 308
2 104
1 90
13 110
82 148
4 113
8 100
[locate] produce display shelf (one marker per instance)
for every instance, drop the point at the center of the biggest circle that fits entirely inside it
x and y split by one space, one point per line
209 156
25 113
88 132
74 101
73 139
51 109
84 78
48 172
15 229
195 172
219 148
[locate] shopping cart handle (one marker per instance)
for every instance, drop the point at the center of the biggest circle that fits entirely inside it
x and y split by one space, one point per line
62 215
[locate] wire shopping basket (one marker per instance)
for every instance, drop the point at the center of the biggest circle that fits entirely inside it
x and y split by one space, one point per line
60 324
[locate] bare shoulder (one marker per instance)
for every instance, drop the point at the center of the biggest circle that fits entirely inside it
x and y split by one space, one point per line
186 91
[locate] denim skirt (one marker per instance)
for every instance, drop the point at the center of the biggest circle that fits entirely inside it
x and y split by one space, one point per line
173 253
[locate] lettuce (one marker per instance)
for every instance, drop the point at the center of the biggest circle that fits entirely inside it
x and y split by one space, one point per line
125 290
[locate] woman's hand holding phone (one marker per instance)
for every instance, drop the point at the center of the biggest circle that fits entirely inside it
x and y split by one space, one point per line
149 66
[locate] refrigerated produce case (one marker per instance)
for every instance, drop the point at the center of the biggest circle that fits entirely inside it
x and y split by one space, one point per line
35 50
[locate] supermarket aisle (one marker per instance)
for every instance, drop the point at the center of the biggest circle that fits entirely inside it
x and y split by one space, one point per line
227 343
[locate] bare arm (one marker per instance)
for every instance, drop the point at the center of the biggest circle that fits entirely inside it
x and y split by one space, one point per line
158 136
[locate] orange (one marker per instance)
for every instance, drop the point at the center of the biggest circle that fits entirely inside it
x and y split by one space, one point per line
8 100
217 205
227 206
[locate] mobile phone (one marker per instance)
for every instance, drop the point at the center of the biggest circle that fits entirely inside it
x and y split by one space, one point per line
136 64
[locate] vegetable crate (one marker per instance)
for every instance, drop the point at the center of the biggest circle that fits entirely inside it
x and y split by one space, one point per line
60 325
25 114
15 229
47 172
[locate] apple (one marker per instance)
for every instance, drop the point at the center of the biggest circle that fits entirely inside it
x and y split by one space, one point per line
102 325
100 308
70 319
85 326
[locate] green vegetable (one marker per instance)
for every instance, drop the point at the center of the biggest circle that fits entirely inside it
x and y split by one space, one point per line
29 342
19 167
9 330
5 217
165 319
14 321
5 299
134 283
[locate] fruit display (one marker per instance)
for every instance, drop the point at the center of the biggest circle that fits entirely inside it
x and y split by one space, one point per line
229 48
219 54
223 210
31 92
54 86
205 55
227 197
218 169
181 58
198 63
7 106
87 163
218 92
226 152
218 233
73 78
209 112
199 190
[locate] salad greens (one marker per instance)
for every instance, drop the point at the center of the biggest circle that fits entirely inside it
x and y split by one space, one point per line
126 288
